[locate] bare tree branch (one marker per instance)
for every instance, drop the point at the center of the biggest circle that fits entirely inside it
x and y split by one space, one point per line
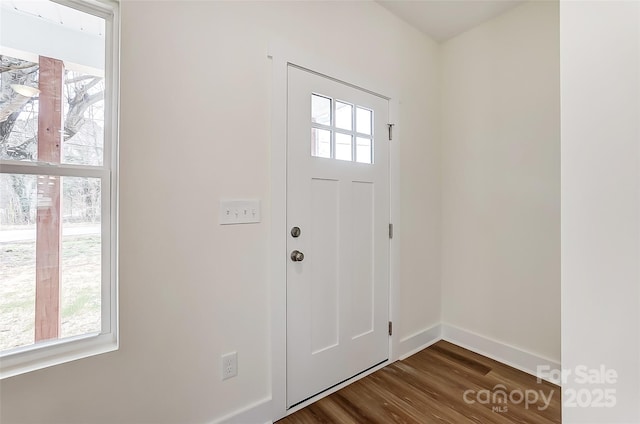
16 67
75 117
78 79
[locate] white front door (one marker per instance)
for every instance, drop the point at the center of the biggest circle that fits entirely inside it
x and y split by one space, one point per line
338 233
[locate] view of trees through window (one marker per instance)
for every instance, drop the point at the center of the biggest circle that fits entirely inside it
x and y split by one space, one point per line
82 140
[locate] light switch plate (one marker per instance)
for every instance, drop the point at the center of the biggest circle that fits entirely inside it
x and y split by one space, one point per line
239 211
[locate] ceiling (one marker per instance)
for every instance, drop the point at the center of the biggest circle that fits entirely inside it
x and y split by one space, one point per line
439 19
58 14
444 19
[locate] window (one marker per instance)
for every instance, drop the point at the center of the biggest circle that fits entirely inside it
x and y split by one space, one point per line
58 151
340 130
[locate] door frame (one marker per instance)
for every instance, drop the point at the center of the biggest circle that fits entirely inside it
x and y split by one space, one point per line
282 55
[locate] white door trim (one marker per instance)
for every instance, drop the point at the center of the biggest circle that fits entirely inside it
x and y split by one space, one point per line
281 56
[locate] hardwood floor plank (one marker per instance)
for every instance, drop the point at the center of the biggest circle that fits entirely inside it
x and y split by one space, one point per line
491 384
426 401
430 387
461 359
331 411
450 389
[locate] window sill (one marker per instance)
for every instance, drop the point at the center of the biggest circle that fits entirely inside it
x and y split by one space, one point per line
46 354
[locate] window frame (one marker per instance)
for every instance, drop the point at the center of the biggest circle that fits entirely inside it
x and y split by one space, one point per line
334 129
58 351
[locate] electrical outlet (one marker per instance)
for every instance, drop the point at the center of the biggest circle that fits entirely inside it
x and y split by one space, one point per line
229 365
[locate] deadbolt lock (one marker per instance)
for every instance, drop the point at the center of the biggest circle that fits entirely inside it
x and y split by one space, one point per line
295 232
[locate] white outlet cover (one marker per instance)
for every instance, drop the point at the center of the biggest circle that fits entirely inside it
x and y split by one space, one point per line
229 365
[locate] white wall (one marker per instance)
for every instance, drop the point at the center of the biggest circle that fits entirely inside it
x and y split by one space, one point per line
501 180
600 62
195 128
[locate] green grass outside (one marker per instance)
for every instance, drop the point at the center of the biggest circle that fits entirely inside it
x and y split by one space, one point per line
80 289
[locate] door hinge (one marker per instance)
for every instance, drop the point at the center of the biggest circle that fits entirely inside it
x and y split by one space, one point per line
390 328
390 231
390 126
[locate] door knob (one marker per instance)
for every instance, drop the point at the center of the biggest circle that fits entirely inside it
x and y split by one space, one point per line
297 256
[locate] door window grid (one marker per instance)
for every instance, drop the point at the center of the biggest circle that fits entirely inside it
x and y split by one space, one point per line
341 130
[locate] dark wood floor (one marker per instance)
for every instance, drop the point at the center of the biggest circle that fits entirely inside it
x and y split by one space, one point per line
430 387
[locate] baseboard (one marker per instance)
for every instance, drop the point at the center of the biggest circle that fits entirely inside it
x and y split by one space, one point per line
251 414
418 341
509 355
